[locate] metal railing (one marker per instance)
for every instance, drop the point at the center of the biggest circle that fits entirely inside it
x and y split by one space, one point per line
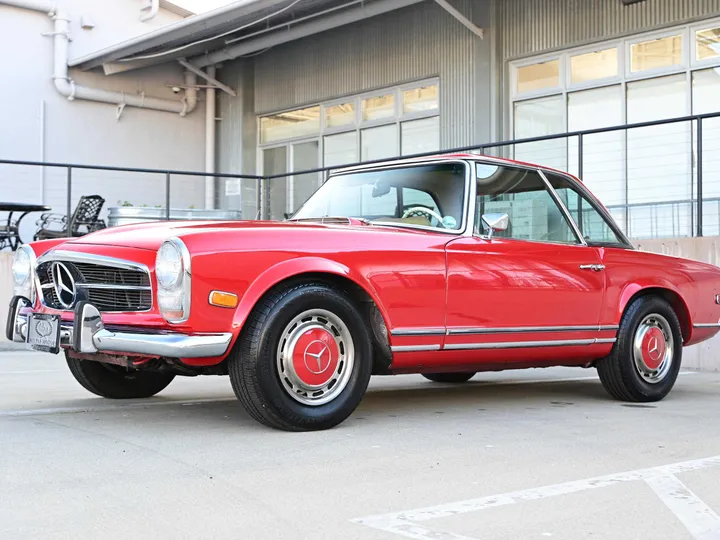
658 178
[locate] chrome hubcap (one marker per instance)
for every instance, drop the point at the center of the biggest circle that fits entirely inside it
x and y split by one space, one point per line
653 348
315 357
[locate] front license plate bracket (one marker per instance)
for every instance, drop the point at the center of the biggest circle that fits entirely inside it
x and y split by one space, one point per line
43 332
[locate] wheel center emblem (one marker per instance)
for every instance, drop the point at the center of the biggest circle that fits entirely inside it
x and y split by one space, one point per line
655 349
317 357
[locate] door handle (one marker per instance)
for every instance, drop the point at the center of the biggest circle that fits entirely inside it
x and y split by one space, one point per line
593 267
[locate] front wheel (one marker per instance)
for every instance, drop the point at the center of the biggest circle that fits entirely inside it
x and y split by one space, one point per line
116 382
304 359
449 377
645 361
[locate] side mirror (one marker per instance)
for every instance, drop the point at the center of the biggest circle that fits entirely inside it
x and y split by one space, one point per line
495 222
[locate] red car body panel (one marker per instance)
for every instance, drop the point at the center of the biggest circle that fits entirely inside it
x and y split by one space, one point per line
444 296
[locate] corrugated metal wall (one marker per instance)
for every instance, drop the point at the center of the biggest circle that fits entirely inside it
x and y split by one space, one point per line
533 26
414 43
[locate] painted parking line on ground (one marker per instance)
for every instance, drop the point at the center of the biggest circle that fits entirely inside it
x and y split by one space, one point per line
699 519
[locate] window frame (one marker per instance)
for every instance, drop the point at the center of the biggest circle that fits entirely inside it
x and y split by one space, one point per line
477 219
465 224
585 193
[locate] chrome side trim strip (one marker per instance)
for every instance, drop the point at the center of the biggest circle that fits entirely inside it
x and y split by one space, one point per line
414 348
418 332
706 325
526 329
525 344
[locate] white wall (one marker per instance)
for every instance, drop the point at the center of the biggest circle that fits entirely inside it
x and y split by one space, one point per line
87 132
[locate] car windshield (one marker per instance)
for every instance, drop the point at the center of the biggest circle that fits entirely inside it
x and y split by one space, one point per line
424 195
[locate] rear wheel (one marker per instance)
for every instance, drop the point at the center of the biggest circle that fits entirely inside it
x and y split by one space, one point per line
116 382
304 359
645 360
449 377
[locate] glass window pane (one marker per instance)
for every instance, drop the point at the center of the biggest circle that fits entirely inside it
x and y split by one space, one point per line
658 160
379 142
523 196
533 118
341 149
290 124
340 115
591 223
420 99
656 53
378 107
275 162
538 76
707 44
373 195
420 136
603 153
304 157
594 65
706 89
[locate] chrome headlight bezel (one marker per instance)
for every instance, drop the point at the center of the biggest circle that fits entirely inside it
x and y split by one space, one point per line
23 271
174 291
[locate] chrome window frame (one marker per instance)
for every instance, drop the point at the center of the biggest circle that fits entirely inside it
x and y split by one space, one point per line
580 241
594 202
465 224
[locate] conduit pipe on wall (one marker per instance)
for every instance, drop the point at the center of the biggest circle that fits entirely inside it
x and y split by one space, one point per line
67 87
210 142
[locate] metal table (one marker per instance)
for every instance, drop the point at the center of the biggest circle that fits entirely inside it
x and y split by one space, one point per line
10 230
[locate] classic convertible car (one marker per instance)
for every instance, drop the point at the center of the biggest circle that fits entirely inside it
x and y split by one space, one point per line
444 266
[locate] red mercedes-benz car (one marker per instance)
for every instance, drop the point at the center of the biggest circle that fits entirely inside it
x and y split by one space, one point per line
444 266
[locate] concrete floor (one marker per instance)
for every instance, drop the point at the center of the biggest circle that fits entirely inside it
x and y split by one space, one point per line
531 454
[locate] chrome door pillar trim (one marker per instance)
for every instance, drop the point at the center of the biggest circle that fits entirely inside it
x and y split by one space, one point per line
563 208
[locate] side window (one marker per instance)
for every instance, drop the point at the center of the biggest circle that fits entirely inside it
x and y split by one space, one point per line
592 225
523 196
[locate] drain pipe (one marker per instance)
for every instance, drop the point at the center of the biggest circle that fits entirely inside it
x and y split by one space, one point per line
67 87
210 141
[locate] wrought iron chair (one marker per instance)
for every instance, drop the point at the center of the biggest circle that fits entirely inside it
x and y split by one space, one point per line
85 219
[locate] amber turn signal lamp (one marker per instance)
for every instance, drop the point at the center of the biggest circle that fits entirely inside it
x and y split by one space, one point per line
223 299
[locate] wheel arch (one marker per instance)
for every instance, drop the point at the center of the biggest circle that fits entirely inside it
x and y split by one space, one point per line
316 269
670 295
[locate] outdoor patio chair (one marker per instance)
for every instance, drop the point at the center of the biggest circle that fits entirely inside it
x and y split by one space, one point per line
85 219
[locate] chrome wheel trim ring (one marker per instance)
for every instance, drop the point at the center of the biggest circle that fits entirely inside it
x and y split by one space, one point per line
294 378
653 348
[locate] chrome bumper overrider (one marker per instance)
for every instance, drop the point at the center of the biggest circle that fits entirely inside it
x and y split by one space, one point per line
88 335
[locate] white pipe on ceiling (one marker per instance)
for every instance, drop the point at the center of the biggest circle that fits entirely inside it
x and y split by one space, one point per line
67 87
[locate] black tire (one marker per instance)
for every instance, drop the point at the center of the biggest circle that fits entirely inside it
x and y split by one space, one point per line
115 382
253 364
449 377
619 374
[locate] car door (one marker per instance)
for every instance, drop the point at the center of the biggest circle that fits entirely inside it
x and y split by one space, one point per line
533 291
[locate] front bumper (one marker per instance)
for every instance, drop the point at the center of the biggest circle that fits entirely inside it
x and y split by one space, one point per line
87 334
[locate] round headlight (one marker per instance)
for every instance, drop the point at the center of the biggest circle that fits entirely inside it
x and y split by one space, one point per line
169 266
21 267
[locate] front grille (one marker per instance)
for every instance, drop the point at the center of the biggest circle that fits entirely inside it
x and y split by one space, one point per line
107 287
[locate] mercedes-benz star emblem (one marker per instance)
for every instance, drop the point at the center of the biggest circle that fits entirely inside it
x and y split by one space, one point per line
64 284
317 357
654 348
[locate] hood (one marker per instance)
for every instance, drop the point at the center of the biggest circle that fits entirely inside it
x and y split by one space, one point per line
150 236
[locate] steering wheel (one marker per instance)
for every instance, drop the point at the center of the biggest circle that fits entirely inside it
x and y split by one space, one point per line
415 210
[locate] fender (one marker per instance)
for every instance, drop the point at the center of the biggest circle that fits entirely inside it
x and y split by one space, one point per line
40 247
631 289
294 267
